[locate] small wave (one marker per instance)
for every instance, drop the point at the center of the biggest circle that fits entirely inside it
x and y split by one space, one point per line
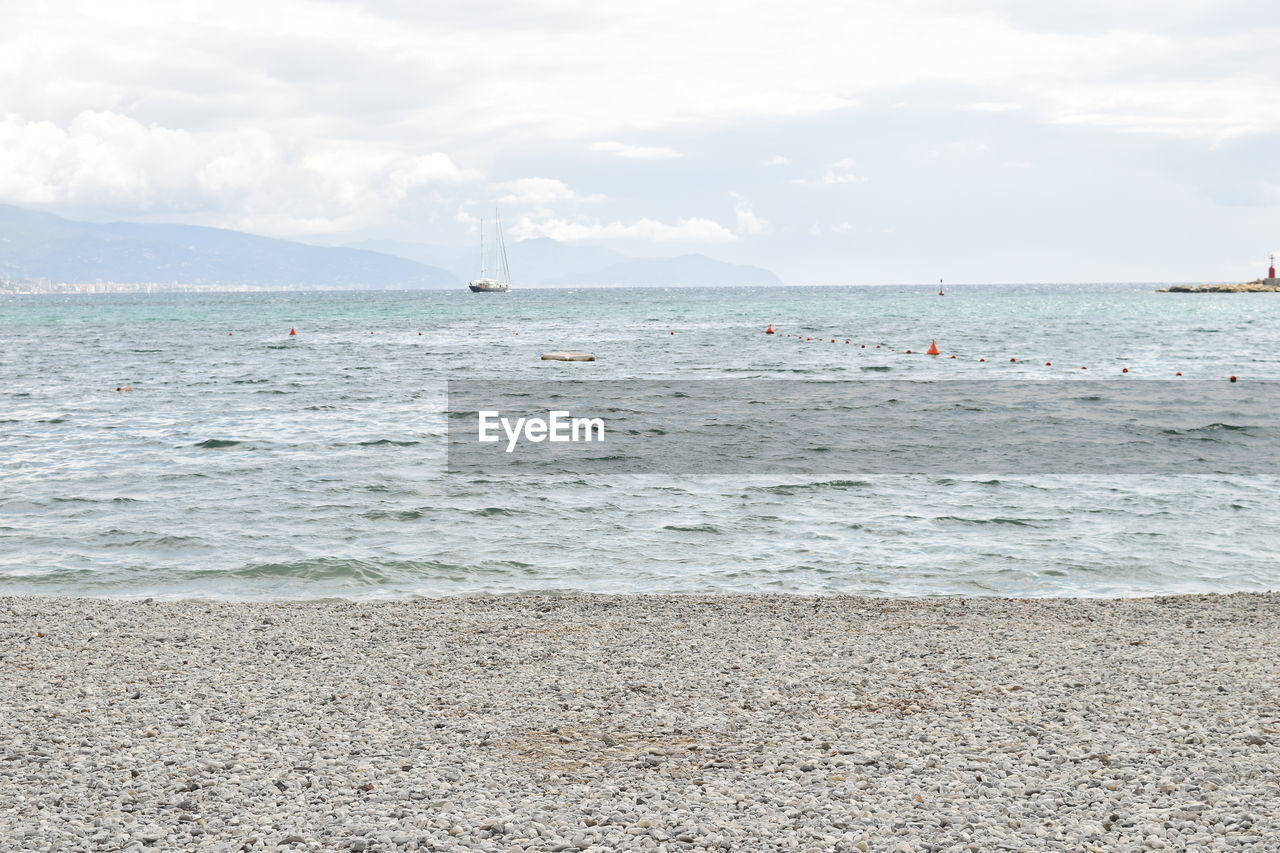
1015 522
1207 428
876 368
792 488
693 528
387 442
217 443
392 515
491 511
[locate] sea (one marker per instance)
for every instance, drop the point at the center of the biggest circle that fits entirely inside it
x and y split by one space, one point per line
249 463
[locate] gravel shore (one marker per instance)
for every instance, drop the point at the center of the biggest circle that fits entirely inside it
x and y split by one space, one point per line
746 723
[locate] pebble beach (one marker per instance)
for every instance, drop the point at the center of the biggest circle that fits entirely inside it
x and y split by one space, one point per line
598 723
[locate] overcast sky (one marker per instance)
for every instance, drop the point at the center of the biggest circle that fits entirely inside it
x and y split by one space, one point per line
861 142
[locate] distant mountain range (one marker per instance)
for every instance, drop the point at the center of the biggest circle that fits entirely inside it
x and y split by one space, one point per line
41 245
547 263
44 246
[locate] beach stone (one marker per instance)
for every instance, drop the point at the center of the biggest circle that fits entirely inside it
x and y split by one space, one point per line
603 723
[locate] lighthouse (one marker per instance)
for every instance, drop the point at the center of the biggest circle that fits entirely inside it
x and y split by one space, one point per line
1271 273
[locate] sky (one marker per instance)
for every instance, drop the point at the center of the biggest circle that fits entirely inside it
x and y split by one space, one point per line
831 142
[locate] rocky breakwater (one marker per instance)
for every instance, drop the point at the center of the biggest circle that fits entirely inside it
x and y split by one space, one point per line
1261 285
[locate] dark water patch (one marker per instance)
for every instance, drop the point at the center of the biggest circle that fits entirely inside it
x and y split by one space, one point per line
387 442
158 541
217 443
250 381
1012 522
492 512
392 515
692 528
792 488
876 368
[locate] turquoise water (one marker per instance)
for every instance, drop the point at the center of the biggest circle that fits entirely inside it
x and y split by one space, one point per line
250 464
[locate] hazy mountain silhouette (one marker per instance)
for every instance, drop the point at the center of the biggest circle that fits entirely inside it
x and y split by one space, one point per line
42 245
671 272
545 262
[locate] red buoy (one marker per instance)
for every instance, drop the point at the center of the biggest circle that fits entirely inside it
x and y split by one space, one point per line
1179 373
1048 364
1124 370
1013 359
769 330
293 331
982 359
933 349
1233 379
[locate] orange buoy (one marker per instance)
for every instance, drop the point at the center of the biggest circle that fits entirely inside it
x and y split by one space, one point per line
953 356
846 340
1083 368
1013 359
293 331
1179 373
908 352
769 330
1124 370
1233 379
933 349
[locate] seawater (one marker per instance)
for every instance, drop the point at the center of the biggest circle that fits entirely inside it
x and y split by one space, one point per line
250 464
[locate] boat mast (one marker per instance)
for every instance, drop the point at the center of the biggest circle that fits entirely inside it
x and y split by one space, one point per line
483 258
502 246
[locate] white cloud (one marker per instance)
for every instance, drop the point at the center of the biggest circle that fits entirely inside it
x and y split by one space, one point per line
748 222
239 178
993 107
637 152
842 228
838 172
778 160
541 191
693 230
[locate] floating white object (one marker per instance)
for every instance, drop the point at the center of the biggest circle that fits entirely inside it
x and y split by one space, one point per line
568 356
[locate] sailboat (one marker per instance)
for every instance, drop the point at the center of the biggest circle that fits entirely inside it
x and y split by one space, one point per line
486 284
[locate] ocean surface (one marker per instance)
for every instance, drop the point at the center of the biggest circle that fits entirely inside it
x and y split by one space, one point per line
247 463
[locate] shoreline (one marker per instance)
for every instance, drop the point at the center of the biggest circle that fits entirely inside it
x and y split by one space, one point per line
667 722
